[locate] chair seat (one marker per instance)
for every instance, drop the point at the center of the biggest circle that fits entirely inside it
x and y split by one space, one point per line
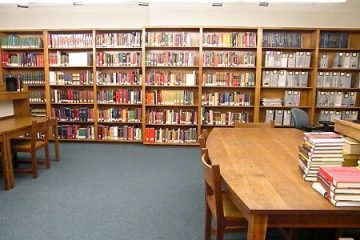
232 215
24 145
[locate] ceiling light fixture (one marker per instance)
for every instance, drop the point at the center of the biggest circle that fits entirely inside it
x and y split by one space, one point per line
263 4
143 4
217 4
22 6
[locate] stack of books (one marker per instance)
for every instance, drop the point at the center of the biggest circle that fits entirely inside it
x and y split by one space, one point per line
320 149
340 185
351 152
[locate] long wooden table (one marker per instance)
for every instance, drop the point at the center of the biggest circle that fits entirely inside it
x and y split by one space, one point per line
260 169
13 127
348 128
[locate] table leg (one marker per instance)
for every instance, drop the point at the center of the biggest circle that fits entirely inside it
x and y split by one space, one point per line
7 164
257 225
56 141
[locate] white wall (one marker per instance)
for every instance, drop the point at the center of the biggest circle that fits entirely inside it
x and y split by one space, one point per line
133 16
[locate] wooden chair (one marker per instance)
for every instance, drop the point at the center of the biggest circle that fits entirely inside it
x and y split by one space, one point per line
271 124
202 138
39 138
218 205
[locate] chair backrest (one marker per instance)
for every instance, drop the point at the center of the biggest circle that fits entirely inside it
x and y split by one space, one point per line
39 132
270 124
213 195
202 138
300 117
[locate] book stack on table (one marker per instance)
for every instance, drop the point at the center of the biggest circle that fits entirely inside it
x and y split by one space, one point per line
320 149
340 185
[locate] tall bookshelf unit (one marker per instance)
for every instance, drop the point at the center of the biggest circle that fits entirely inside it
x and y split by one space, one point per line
228 76
163 85
171 109
70 77
22 56
288 73
119 85
338 78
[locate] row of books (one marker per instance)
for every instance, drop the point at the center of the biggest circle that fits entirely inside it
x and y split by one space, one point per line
119 39
119 133
23 59
229 79
170 39
271 102
345 60
16 41
282 39
280 59
292 98
125 96
74 40
30 78
171 116
124 115
331 115
170 59
82 114
335 99
229 59
320 149
168 135
128 78
76 131
280 117
170 78
229 39
339 185
219 118
71 59
226 99
334 40
71 78
38 112
118 59
71 95
283 78
170 97
37 96
337 80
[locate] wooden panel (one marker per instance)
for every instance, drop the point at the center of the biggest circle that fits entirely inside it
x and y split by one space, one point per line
348 128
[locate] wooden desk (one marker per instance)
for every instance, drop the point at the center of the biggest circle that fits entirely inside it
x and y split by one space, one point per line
12 127
260 168
348 128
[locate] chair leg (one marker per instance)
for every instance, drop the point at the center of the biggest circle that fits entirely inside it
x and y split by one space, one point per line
34 165
207 223
47 157
219 231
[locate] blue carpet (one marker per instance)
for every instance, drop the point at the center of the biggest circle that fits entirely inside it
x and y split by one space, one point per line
110 192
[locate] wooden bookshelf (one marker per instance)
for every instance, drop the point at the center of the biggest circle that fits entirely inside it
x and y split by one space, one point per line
177 81
228 76
119 85
22 55
171 90
338 78
288 73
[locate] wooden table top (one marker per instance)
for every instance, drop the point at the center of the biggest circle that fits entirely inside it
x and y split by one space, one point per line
260 167
11 124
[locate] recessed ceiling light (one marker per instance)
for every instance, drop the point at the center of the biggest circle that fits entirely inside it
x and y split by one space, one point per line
217 4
